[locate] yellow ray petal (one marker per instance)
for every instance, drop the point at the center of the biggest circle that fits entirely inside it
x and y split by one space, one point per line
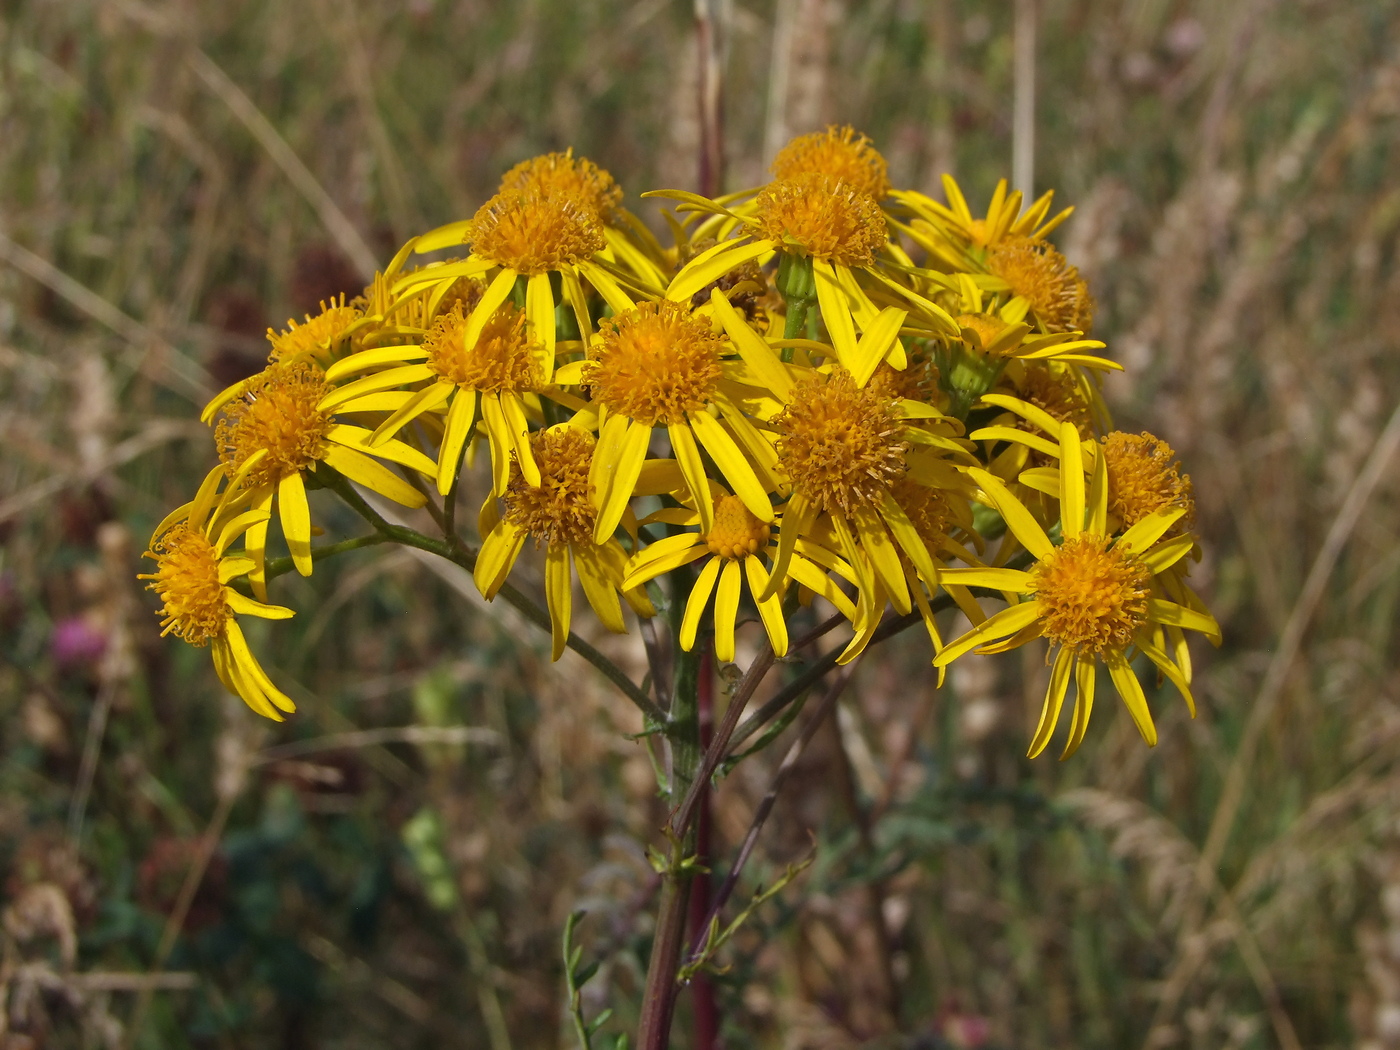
296 520
908 538
711 265
245 606
666 554
386 380
497 292
1054 701
770 611
559 595
360 468
376 358
497 557
695 604
1071 481
797 520
726 610
836 313
1018 518
1130 689
1084 683
687 455
598 588
1159 611
539 313
1150 529
224 667
243 660
1002 625
622 479
424 400
358 438
752 348
607 287
502 442
513 412
876 343
1164 555
238 525
1014 580
731 462
1020 437
1175 674
884 557
460 417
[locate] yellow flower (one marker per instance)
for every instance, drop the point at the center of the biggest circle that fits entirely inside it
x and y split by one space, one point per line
554 217
1143 478
560 514
193 572
1036 271
1092 596
279 427
660 365
843 449
950 231
564 175
488 381
841 154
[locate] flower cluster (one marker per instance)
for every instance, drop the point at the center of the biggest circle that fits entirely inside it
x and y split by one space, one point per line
825 390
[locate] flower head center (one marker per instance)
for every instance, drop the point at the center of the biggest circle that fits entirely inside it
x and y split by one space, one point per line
277 412
737 533
502 361
318 336
655 363
558 510
1093 597
824 217
841 154
564 176
1144 477
187 580
840 444
1037 271
533 232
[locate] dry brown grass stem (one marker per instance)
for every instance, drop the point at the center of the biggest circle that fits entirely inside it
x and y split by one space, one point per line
1170 860
347 238
172 370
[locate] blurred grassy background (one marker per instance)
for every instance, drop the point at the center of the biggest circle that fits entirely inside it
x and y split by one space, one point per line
1233 163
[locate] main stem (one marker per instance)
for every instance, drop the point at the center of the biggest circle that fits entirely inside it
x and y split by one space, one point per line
659 999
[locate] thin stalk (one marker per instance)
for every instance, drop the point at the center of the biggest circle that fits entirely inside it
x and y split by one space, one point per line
702 990
659 998
281 566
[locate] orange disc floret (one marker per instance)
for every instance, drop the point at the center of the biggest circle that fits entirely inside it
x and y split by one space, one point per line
1144 477
568 177
187 580
655 363
842 154
558 510
275 411
1037 271
737 532
840 444
532 232
823 217
502 361
1092 595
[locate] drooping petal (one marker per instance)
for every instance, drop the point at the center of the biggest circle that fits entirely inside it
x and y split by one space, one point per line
1018 518
731 462
1054 701
1071 481
460 417
726 610
296 520
539 313
1084 683
770 611
687 455
695 604
1007 622
599 588
1130 689
622 479
497 557
559 595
